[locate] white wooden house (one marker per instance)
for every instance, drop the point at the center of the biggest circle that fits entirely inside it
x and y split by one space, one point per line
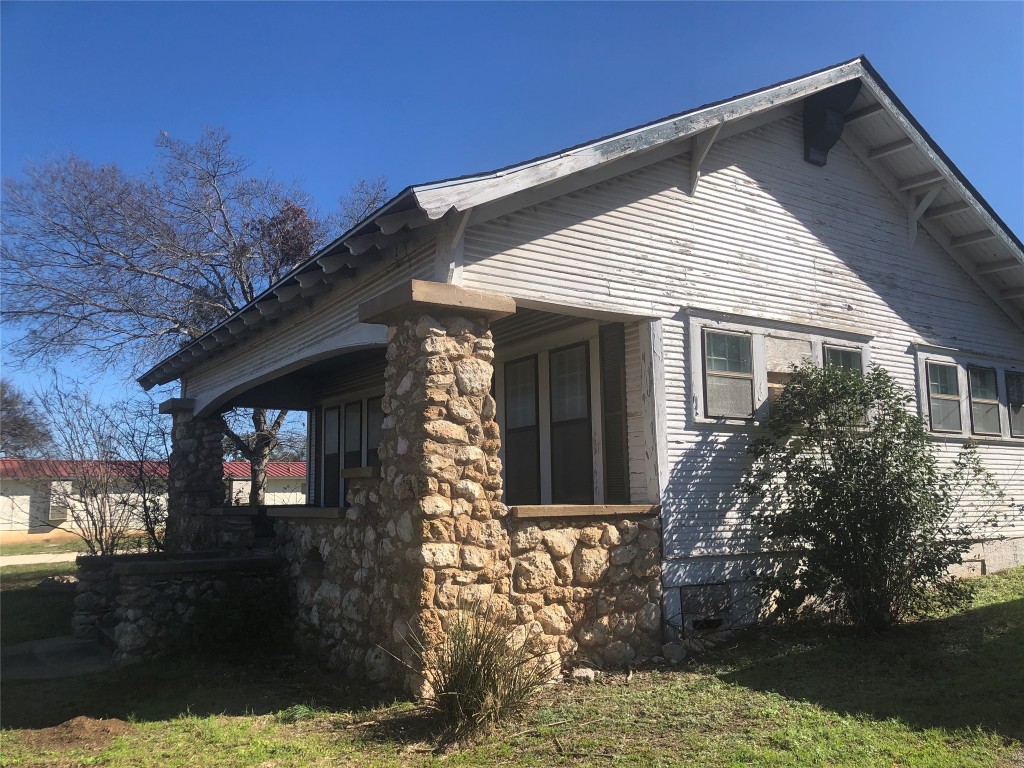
661 280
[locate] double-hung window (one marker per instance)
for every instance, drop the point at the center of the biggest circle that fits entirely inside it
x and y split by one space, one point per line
562 409
572 476
984 393
944 397
1015 402
522 431
351 437
742 364
728 375
969 394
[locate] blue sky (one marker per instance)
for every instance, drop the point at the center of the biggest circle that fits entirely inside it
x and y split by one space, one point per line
325 93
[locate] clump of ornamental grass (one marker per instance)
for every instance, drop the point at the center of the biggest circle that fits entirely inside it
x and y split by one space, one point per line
482 671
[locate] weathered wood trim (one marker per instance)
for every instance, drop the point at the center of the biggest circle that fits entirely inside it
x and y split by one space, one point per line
451 247
301 511
701 146
652 392
916 212
361 473
897 190
231 512
989 267
178 405
543 511
425 296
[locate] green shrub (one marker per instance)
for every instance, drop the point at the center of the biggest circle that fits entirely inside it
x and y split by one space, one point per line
847 481
481 673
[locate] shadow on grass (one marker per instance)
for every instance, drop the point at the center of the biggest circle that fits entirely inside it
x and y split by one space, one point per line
965 671
165 690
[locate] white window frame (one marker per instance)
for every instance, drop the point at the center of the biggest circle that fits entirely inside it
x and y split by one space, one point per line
963 360
541 346
759 330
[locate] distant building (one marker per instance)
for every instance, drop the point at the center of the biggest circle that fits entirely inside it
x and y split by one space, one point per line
34 493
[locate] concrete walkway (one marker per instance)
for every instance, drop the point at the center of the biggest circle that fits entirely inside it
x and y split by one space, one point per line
56 557
52 658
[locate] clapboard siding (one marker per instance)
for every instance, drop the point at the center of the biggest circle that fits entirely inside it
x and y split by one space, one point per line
769 236
312 330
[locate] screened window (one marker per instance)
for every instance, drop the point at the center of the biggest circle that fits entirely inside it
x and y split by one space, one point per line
522 433
572 456
728 375
944 397
841 357
332 457
374 430
984 401
1015 401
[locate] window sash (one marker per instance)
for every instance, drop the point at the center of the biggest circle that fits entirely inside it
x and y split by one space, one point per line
1015 402
728 373
944 398
983 386
843 357
572 455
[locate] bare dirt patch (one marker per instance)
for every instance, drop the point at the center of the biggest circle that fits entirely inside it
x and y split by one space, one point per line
85 733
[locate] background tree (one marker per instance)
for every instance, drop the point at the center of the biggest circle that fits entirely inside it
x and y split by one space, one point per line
23 431
127 269
846 477
108 466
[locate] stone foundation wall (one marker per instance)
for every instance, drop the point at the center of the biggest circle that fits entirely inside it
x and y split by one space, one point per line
590 589
340 584
151 605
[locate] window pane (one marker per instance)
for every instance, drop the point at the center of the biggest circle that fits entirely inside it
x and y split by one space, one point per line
946 414
983 383
572 464
727 352
522 466
985 418
374 420
521 394
727 396
850 359
354 434
942 380
1015 396
331 430
569 382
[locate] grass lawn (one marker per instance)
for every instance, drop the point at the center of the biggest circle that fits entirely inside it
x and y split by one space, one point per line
28 614
944 692
50 546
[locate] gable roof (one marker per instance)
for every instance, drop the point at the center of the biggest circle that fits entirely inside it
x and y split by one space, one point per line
879 129
64 469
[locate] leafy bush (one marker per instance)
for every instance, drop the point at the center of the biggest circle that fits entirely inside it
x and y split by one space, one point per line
481 672
846 479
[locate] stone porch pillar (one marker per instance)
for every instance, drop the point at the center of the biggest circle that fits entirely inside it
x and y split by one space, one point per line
196 476
440 471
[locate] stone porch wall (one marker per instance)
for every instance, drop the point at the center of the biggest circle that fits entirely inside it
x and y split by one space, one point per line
590 588
150 605
341 584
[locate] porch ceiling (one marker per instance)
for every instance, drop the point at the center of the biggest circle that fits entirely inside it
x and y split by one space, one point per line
304 388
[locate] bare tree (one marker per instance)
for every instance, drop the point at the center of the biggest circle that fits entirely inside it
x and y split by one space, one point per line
363 198
23 431
127 269
109 468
